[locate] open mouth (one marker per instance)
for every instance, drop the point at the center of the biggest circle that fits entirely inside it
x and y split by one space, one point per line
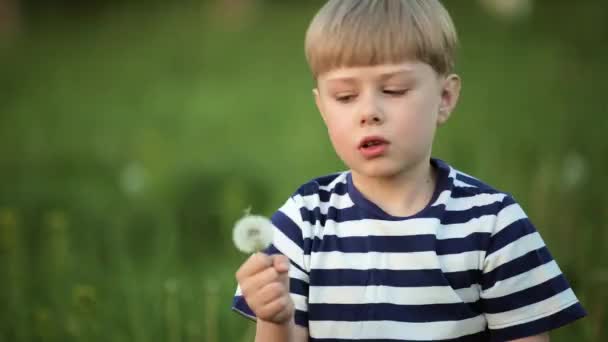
373 147
372 141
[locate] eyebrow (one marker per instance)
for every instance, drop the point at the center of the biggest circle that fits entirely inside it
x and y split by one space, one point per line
382 76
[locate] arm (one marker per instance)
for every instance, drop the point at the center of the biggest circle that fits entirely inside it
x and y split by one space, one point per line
264 283
524 291
537 338
288 332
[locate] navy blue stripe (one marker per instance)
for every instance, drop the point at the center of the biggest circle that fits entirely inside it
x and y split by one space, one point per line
563 317
240 304
461 192
463 279
398 244
309 188
272 249
288 227
312 187
301 318
339 189
482 336
401 278
510 233
517 266
362 244
326 180
354 214
471 181
526 297
298 286
472 242
390 312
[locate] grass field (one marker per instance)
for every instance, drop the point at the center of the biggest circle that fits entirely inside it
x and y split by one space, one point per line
131 140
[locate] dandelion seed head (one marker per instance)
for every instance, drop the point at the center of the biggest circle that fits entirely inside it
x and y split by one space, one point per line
252 233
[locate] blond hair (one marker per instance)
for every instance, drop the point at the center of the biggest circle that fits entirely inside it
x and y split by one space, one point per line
371 32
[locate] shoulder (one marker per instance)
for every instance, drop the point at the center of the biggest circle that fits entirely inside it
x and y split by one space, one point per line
466 188
467 199
334 182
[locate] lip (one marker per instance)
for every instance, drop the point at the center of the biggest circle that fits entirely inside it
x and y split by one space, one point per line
373 151
371 138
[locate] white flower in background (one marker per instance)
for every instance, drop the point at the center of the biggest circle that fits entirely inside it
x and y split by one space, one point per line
509 9
252 233
574 170
133 178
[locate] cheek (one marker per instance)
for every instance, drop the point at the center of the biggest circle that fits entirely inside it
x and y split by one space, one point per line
340 134
418 124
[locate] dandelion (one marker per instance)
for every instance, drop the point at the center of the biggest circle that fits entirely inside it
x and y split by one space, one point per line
252 233
133 178
509 9
574 170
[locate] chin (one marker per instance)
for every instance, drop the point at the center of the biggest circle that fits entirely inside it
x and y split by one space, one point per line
378 171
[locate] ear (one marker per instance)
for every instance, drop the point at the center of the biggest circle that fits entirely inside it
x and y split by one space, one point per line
319 103
450 92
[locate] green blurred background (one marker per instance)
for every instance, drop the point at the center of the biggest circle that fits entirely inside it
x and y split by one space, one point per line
133 134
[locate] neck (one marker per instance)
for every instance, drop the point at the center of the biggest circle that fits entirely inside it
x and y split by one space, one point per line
401 195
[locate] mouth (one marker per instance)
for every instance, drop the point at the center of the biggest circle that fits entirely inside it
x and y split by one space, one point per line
373 147
369 142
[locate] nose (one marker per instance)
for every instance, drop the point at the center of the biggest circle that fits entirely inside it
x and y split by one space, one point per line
371 112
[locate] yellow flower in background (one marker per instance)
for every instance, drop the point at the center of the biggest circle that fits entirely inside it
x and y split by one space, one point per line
252 233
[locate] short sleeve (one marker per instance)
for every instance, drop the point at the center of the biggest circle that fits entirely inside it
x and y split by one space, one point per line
289 239
524 292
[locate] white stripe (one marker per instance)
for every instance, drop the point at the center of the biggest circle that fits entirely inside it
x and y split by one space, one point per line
396 330
397 261
341 178
465 203
291 209
533 311
526 280
337 201
418 226
311 202
469 294
507 216
289 248
383 294
295 273
461 184
512 251
443 197
458 172
299 301
452 173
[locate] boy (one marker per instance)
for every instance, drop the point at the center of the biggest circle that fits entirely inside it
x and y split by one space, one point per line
402 247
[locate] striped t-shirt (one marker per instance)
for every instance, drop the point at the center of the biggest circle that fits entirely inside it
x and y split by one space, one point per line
468 267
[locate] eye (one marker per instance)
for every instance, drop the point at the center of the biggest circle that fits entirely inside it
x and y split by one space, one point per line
395 92
345 98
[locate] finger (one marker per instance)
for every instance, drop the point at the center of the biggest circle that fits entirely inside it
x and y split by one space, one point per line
280 262
277 310
257 281
254 264
271 292
283 278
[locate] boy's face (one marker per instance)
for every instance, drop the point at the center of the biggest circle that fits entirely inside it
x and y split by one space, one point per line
382 119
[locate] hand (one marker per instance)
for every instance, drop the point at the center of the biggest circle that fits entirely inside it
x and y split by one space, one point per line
264 282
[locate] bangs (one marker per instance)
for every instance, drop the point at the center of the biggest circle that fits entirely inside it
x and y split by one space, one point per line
354 33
